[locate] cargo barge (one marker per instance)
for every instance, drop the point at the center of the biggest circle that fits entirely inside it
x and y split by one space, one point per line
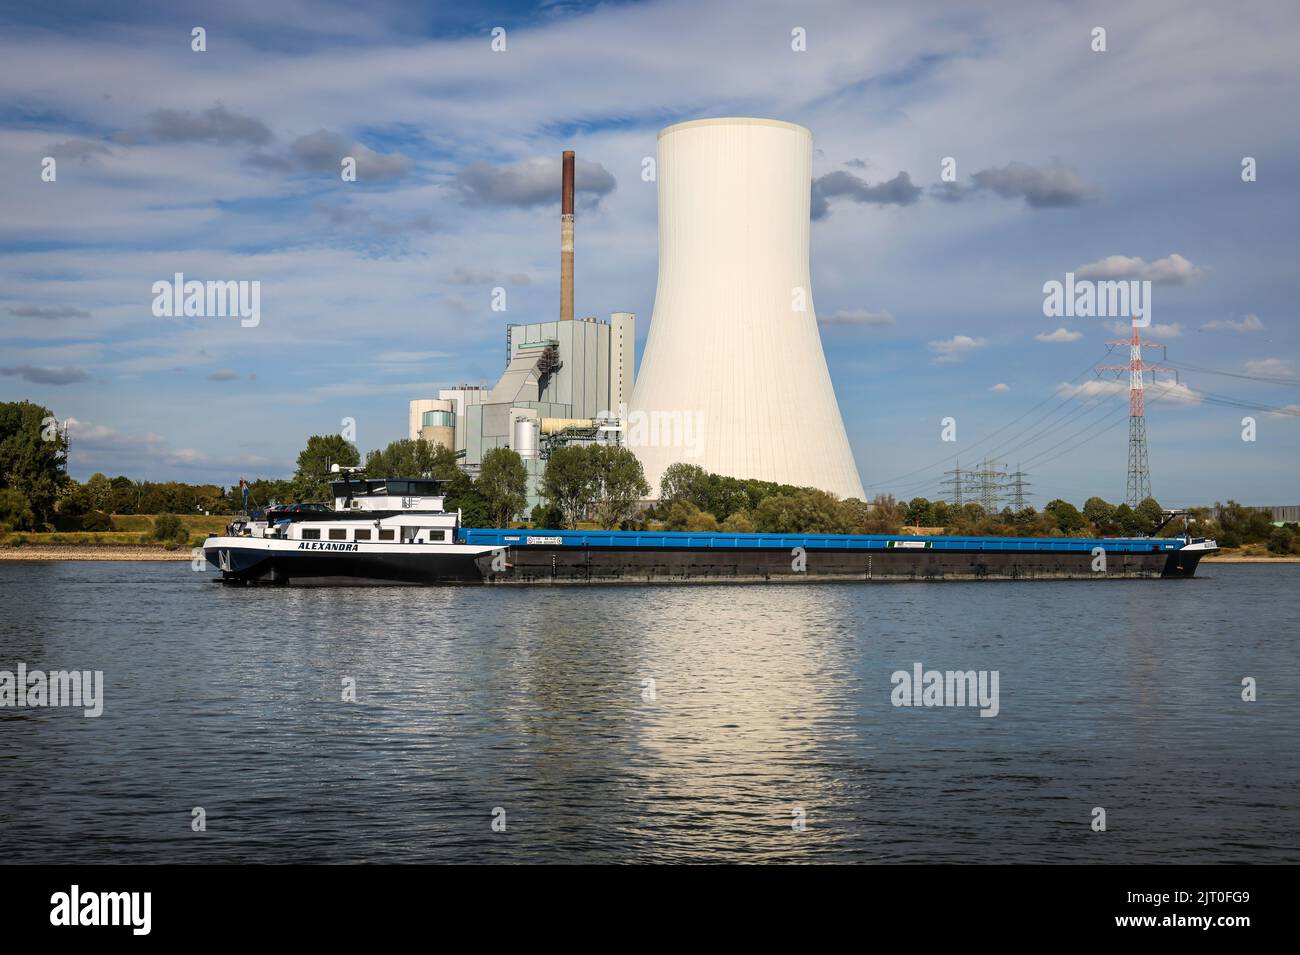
395 531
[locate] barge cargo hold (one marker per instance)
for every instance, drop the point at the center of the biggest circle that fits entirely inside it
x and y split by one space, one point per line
543 557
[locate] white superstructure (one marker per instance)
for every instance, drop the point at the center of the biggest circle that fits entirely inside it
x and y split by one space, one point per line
734 350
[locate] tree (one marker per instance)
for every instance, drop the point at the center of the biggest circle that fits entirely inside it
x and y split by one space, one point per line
571 482
620 483
685 516
33 456
543 516
682 482
411 459
884 517
461 493
738 523
15 510
1067 517
919 512
503 484
1126 521
1101 515
1148 515
311 480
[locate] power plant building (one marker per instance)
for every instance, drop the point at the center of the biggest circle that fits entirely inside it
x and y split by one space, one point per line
733 379
564 383
733 345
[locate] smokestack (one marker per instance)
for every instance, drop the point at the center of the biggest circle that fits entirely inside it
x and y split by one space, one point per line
566 239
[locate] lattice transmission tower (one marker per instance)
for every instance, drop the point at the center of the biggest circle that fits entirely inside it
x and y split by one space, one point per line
1138 487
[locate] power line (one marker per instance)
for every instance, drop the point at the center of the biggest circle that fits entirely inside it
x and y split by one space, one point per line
1271 379
980 441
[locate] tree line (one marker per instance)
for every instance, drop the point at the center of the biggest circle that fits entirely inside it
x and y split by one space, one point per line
595 485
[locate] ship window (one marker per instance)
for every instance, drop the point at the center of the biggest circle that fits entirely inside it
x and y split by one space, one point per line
311 533
362 534
338 534
437 535
385 533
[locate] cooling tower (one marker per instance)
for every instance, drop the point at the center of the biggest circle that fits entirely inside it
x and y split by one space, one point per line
733 350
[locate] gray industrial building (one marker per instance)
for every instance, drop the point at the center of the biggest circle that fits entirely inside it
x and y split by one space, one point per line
564 383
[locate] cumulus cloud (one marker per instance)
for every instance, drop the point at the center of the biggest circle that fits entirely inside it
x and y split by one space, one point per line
46 376
47 311
1174 392
951 349
1156 331
1170 391
1171 270
1250 323
323 152
1060 335
858 316
214 125
532 182
898 191
1042 187
1273 367
1000 388
97 441
80 149
1093 388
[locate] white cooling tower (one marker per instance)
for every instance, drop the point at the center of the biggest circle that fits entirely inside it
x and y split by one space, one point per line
733 347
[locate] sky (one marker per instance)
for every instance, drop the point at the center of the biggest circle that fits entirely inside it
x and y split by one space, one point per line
224 164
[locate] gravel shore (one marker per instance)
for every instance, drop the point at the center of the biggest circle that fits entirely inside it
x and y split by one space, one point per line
92 552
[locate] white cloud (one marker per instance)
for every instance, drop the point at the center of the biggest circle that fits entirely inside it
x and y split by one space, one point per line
1171 270
1060 335
951 349
1000 388
1273 367
1156 330
1250 323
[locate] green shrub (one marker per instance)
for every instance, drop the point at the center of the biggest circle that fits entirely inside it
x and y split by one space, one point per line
167 527
96 521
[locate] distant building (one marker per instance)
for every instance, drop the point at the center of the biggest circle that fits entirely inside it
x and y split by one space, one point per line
734 348
564 383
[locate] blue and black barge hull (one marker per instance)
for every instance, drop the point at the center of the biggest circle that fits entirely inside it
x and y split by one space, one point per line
583 557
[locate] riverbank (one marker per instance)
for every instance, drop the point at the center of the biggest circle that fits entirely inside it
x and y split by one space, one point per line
1244 559
93 552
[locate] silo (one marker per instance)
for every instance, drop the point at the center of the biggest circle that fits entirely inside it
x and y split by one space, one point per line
734 378
526 438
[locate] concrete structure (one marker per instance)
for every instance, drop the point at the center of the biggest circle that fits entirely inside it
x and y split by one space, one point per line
434 420
733 347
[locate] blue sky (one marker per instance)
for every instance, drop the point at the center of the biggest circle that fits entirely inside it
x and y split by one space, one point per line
222 165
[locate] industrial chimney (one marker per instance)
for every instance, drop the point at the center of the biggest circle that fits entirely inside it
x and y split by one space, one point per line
566 239
733 347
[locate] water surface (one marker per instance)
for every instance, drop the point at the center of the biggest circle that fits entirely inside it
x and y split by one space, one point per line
1124 695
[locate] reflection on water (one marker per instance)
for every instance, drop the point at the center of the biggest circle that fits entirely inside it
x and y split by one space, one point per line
766 701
